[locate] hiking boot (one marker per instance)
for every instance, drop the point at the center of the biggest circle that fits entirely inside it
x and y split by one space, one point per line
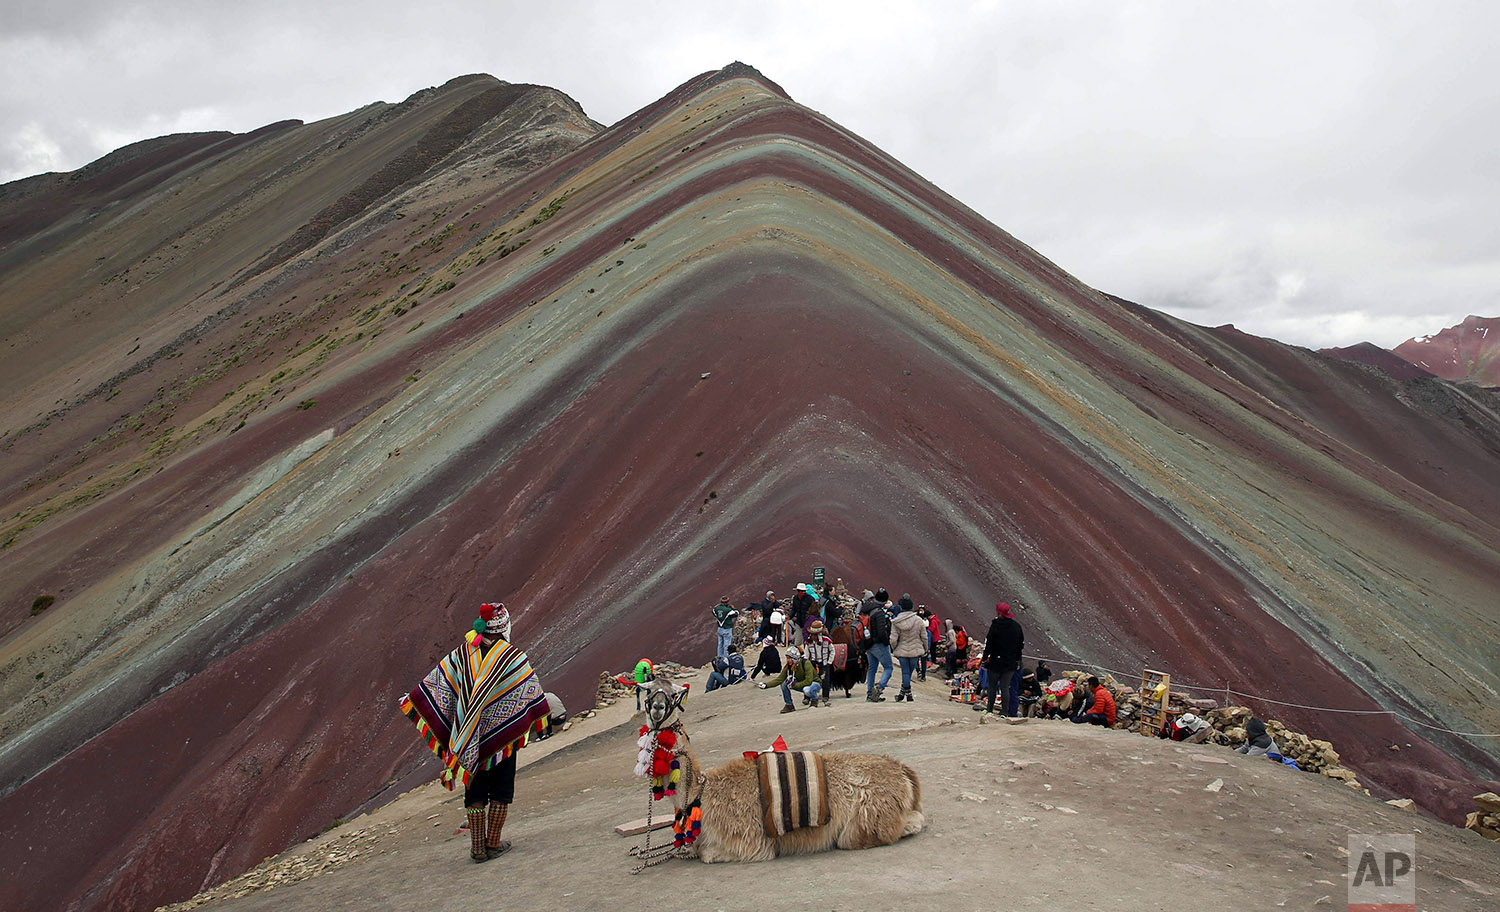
788 708
979 707
497 851
906 695
874 698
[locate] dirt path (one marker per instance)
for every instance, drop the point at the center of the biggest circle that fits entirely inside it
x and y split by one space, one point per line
1045 815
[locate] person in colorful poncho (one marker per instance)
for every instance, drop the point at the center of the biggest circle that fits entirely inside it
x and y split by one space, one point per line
475 710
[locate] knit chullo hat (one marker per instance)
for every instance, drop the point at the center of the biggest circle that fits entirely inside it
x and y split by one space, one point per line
496 620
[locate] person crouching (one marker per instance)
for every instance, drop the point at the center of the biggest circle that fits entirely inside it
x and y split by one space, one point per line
1098 707
1187 728
799 673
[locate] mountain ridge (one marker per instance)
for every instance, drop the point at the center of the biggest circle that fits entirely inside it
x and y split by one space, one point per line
709 345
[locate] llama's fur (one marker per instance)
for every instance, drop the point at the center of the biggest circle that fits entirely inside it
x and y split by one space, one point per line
853 673
873 801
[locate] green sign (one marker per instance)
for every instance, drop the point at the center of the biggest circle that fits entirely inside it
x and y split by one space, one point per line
818 576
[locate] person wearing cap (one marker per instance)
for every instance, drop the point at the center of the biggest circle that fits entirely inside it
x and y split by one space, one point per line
724 617
801 607
1002 656
475 725
799 673
1032 683
770 658
820 653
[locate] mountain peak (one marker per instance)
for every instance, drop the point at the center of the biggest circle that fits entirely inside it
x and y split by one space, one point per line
1469 350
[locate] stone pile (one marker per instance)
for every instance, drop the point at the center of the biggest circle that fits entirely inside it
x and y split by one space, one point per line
747 624
745 628
1312 754
1486 820
320 859
611 689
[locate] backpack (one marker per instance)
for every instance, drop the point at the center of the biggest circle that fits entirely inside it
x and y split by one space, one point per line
961 640
866 638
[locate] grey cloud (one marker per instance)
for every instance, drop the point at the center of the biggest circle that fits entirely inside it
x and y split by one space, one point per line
1204 159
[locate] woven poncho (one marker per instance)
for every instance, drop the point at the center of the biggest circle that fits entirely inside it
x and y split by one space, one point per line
476 707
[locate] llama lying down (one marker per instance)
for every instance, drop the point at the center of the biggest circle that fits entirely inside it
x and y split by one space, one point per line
754 809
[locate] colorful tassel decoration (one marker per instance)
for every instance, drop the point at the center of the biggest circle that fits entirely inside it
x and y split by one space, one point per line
687 824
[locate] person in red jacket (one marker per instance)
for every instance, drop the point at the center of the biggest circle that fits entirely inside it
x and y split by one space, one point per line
1099 709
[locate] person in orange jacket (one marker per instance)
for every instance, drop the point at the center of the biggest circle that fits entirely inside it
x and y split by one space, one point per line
1100 709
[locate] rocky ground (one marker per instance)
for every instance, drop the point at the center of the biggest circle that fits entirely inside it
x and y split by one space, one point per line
1047 814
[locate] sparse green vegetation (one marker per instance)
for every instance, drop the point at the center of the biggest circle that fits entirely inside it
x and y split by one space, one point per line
304 405
550 210
42 603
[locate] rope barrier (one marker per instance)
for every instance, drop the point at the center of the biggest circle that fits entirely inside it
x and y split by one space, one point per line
1226 690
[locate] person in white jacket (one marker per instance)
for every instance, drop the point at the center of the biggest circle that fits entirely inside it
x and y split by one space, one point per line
908 643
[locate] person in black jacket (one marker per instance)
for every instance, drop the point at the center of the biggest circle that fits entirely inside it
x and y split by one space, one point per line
829 608
878 651
801 607
770 658
1002 655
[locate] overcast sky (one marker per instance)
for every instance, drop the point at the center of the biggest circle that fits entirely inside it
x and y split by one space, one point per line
1323 173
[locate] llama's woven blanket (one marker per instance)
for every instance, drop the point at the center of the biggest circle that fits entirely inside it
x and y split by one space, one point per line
476 707
835 654
793 791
